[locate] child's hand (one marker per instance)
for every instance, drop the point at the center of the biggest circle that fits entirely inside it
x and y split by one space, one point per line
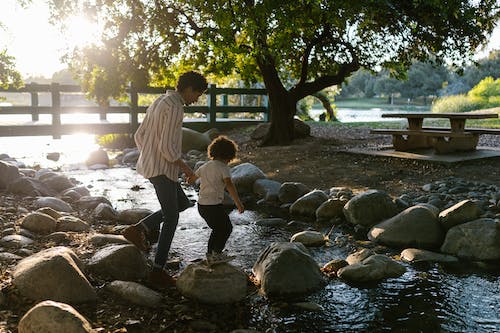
191 179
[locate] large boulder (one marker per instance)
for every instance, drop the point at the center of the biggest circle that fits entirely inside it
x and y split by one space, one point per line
475 240
369 208
193 140
244 175
287 269
119 262
54 274
416 226
54 317
221 283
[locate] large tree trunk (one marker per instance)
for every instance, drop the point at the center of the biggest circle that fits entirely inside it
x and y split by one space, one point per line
283 109
282 106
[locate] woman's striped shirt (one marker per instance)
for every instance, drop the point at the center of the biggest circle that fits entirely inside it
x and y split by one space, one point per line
159 137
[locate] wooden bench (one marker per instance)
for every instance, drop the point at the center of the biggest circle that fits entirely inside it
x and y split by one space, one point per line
442 141
455 138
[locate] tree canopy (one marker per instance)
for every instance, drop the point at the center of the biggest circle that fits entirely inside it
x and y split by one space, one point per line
296 48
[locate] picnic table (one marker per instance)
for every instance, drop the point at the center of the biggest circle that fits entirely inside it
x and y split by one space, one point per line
442 139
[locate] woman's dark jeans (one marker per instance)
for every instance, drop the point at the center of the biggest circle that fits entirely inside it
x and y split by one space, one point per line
172 200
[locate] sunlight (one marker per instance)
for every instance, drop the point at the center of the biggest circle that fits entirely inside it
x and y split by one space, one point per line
80 31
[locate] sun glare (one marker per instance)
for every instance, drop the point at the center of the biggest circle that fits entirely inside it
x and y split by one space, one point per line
81 31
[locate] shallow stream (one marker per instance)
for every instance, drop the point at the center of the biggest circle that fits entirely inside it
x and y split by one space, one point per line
426 298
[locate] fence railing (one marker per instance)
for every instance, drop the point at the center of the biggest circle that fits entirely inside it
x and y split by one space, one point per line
219 111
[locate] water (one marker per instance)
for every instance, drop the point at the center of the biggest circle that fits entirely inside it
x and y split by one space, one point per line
348 115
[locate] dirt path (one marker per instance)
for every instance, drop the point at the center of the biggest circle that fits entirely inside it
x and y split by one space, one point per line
320 161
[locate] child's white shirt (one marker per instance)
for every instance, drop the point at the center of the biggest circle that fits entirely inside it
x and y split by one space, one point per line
212 185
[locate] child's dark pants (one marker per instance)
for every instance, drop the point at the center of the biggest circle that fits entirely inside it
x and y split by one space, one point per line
218 220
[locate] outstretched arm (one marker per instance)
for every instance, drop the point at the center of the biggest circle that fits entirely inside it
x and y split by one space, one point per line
234 194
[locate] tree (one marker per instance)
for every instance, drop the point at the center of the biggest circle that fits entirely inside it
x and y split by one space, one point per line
296 48
9 75
424 79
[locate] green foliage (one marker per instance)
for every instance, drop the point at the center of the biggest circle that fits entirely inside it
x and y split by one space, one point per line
9 76
455 103
115 141
486 89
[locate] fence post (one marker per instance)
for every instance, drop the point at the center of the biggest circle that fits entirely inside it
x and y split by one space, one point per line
134 108
224 103
34 105
56 110
212 104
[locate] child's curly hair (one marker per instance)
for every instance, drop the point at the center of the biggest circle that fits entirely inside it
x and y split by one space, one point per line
222 148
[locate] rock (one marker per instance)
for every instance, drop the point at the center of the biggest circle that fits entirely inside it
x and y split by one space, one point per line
462 212
369 208
53 317
53 156
222 283
55 181
419 255
271 222
267 189
131 157
53 274
330 209
289 192
135 293
307 204
359 256
309 238
39 223
133 215
373 268
8 173
91 202
119 262
192 139
106 239
99 156
244 175
416 226
286 269
15 241
54 203
475 240
72 223
30 187
104 211
49 211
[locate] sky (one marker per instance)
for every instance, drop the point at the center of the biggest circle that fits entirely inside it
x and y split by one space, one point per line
38 46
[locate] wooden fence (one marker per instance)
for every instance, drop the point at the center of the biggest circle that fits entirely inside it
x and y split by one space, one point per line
217 112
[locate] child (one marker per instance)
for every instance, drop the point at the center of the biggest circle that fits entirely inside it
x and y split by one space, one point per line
215 176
